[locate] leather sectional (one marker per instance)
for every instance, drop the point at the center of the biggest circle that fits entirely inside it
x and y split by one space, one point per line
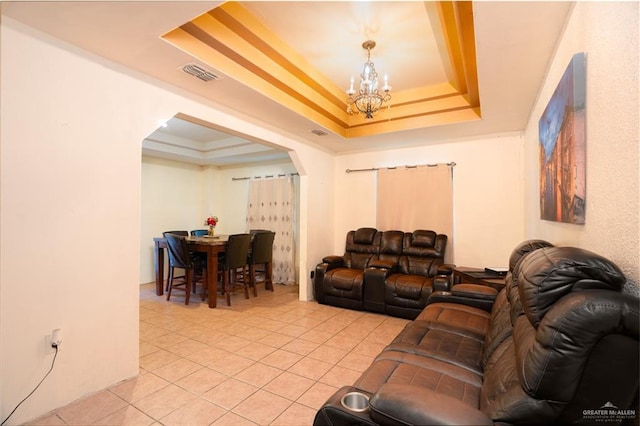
390 272
559 345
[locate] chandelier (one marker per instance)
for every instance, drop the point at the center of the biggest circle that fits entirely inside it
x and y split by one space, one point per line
367 99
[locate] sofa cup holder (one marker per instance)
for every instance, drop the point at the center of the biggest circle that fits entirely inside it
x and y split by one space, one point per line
355 401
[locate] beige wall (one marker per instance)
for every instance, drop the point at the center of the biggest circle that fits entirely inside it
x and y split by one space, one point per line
70 185
608 33
487 185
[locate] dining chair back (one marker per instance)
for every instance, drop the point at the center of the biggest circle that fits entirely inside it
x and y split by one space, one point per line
235 258
181 258
260 258
199 232
169 277
182 233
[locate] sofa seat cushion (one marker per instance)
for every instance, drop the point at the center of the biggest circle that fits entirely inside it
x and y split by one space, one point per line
458 316
408 290
410 369
343 282
457 346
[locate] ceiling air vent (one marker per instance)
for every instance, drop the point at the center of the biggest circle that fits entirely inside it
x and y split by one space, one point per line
319 132
199 71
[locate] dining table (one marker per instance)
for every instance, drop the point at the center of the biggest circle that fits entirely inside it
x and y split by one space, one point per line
211 245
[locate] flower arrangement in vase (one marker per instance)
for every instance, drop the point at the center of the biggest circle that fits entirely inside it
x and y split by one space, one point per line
212 221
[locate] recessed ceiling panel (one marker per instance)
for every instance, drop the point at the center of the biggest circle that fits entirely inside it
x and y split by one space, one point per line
430 61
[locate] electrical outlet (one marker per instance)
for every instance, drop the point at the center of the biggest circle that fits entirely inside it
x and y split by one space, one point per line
54 337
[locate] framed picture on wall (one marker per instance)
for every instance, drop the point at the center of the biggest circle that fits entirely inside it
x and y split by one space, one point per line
562 136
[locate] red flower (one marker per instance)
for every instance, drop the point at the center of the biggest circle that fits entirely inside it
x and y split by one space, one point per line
212 221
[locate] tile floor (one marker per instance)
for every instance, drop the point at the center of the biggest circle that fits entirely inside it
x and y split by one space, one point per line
269 360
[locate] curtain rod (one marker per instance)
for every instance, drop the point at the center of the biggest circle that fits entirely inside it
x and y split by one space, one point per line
373 169
266 176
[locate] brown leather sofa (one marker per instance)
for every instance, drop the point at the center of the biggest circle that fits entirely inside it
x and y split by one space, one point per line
390 272
558 346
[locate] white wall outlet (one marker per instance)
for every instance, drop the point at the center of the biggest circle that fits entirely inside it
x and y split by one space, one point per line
54 338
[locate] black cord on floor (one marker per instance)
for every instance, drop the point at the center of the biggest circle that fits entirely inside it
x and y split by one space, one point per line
35 389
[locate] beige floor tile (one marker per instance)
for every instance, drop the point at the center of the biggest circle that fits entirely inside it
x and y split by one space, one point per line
149 331
49 419
330 327
281 359
276 340
127 416
232 343
231 364
254 334
328 354
300 347
169 339
262 407
147 348
307 322
340 376
258 374
357 362
157 359
91 409
164 401
271 325
177 370
342 341
201 380
256 351
317 395
192 331
295 415
289 385
138 387
310 368
293 330
207 356
232 419
230 393
196 412
186 347
316 336
368 348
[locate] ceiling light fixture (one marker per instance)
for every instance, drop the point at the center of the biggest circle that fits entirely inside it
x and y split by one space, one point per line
368 99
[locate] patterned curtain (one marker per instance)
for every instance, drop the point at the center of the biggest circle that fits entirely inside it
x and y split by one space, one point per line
271 207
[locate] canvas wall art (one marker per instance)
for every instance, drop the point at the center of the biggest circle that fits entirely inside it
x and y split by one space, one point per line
562 135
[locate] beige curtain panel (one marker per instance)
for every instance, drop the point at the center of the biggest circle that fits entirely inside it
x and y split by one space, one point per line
410 198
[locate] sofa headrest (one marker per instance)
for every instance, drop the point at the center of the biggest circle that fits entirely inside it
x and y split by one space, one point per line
546 275
524 248
422 238
364 235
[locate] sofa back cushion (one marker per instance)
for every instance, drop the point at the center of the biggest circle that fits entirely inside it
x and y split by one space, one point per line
422 253
362 245
564 353
391 245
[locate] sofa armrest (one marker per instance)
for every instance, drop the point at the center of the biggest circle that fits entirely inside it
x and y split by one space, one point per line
477 291
446 269
384 264
333 260
375 276
448 297
328 263
400 404
442 283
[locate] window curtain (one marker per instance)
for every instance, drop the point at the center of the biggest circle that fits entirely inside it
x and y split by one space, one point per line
410 198
271 207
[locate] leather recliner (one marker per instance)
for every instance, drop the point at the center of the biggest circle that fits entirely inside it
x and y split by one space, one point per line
560 342
408 283
339 280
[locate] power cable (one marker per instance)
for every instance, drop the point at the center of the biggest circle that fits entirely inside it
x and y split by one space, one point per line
36 388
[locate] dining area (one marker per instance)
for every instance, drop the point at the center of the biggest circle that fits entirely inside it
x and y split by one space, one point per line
215 263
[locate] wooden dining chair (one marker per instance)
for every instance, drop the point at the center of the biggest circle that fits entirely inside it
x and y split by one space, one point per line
181 258
259 259
234 263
